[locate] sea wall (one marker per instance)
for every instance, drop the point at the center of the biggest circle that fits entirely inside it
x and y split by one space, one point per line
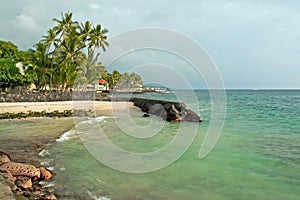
168 110
51 96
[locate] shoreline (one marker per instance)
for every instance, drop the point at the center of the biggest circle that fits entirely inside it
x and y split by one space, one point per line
27 151
98 107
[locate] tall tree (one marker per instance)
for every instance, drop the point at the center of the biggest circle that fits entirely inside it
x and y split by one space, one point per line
64 25
71 57
65 28
41 65
9 50
86 31
98 38
50 41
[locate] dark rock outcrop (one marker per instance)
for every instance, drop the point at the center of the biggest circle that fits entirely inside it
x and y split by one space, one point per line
168 110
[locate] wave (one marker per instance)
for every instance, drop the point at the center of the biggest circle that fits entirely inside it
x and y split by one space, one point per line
67 135
73 132
97 198
93 120
44 153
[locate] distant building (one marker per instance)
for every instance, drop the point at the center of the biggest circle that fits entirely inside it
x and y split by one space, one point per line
19 65
125 88
102 85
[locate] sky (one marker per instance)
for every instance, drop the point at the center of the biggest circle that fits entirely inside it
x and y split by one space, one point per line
253 43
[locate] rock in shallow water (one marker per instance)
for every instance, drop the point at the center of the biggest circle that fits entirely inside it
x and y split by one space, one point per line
5 191
24 182
169 111
20 169
4 158
23 179
45 174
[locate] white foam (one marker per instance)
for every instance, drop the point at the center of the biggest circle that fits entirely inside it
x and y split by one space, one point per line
46 162
44 153
73 133
97 198
66 136
93 120
47 184
50 168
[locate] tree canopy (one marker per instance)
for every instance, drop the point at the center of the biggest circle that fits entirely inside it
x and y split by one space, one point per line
65 56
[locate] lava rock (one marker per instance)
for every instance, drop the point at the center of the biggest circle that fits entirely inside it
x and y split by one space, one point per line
168 110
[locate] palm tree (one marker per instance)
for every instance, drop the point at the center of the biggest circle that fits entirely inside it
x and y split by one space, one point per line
98 38
64 28
115 78
90 70
40 62
65 45
70 57
50 41
135 79
86 31
64 25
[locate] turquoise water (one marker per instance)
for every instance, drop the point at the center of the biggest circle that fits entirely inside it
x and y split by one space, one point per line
256 157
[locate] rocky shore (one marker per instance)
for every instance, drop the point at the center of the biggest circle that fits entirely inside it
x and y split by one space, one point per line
5 192
24 179
52 96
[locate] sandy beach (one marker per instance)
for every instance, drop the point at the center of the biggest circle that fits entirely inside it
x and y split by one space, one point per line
100 107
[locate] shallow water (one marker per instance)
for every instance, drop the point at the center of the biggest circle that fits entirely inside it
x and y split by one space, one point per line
23 139
256 157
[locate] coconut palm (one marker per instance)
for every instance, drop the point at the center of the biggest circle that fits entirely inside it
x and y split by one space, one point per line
64 28
86 31
64 25
98 38
40 64
70 58
50 41
89 71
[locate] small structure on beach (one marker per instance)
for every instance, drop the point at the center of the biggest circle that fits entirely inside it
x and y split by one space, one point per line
102 86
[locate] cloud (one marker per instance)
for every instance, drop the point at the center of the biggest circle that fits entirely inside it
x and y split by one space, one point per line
242 37
122 12
94 6
26 23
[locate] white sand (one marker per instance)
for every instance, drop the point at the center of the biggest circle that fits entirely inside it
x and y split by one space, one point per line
101 107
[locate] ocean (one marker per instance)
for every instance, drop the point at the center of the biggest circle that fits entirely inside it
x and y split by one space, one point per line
257 155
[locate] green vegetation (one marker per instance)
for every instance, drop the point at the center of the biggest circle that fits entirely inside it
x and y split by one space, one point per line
10 75
125 80
64 58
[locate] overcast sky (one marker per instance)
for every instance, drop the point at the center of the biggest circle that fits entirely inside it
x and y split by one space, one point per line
254 43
